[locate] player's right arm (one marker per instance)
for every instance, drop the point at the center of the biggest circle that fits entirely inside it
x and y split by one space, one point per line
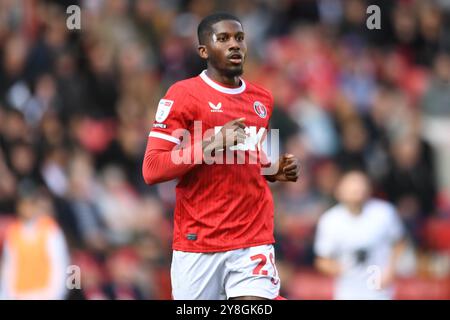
175 113
325 248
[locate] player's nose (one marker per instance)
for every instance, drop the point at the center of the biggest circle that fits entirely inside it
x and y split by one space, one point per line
234 45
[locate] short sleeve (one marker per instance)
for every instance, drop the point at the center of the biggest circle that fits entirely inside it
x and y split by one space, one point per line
325 242
172 115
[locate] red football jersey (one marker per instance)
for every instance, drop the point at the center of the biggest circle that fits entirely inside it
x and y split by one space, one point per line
219 207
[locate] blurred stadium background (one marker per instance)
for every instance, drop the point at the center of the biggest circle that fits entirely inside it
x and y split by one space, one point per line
76 108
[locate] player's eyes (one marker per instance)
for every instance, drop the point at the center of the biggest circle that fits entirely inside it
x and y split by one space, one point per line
225 38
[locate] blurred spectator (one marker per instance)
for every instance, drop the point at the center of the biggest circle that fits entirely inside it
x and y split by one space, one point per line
35 254
431 32
78 210
411 174
92 277
316 127
326 174
436 116
8 185
118 203
126 151
354 153
125 281
23 163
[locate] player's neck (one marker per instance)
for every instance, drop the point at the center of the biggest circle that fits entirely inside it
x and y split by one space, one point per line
355 209
232 82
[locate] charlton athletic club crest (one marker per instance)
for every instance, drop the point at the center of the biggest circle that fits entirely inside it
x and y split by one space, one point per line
260 109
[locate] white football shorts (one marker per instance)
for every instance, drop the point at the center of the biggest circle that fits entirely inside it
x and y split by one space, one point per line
223 275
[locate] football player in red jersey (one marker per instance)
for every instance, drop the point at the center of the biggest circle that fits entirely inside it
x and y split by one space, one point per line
223 221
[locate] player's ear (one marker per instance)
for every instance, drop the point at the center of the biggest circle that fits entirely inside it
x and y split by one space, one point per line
202 52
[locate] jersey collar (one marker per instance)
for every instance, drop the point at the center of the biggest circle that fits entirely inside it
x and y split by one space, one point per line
220 88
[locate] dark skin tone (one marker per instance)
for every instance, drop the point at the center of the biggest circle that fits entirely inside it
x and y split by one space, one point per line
225 51
226 42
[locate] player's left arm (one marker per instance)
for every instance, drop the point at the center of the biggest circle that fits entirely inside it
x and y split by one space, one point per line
287 167
389 274
396 233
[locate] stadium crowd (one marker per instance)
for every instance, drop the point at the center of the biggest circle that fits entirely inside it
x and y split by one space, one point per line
76 107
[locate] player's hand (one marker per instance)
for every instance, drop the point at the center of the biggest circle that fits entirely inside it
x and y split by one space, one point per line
387 278
288 169
231 134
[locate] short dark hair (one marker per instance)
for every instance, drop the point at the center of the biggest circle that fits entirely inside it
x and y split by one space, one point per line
205 26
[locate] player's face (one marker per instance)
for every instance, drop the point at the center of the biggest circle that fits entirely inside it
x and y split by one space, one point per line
353 189
226 48
26 208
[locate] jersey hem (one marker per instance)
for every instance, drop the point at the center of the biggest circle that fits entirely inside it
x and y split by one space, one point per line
240 246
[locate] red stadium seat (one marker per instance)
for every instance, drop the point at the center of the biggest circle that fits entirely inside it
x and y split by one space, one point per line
164 285
423 289
437 234
310 285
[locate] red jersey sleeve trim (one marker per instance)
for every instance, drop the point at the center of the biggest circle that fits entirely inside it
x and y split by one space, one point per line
164 137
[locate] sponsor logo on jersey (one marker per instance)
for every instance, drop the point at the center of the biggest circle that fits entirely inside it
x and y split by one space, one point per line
253 141
260 109
191 236
215 108
164 107
160 125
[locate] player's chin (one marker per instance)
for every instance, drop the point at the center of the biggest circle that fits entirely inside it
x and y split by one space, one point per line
234 70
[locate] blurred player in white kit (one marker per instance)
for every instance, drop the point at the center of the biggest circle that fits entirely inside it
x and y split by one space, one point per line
359 242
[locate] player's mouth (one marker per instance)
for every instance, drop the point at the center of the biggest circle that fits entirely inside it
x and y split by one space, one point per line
235 58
